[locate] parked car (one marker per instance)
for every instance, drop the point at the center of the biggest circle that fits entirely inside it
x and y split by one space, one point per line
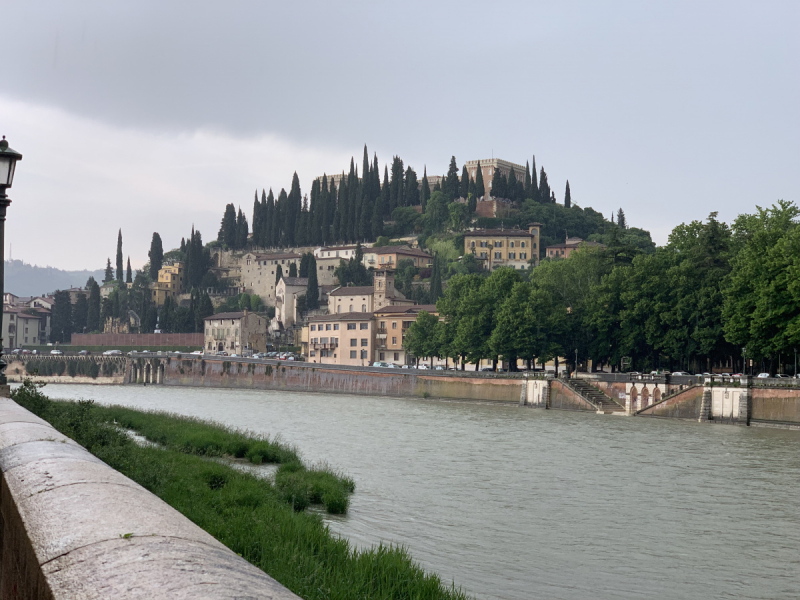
405 367
234 355
112 353
680 374
783 376
56 352
762 376
16 351
378 363
197 353
25 351
423 367
84 353
487 369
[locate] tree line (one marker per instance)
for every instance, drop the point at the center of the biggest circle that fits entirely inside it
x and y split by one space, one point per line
357 207
711 296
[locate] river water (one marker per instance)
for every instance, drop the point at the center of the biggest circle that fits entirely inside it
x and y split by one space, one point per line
516 503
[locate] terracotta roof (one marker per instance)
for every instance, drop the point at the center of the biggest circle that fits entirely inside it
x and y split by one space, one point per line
20 311
348 316
354 290
576 245
229 315
498 233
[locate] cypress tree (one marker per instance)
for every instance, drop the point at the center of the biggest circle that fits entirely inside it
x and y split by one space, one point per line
120 272
80 311
567 197
452 183
128 272
426 189
312 291
527 180
278 275
411 188
534 182
292 270
227 228
93 308
294 207
341 207
156 255
241 231
544 187
322 221
623 224
281 206
435 291
271 224
304 264
498 184
480 188
183 245
256 220
396 189
463 191
315 213
109 274
511 185
353 199
61 318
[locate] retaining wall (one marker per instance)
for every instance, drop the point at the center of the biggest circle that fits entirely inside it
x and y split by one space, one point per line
16 371
563 398
684 405
72 527
775 405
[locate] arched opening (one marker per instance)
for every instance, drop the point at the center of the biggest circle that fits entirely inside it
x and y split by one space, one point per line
634 398
160 373
147 373
657 395
645 397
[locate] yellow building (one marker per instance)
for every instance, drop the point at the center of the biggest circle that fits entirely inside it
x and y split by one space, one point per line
393 323
514 248
169 284
340 339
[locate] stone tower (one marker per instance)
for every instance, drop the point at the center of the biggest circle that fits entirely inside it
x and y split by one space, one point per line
384 288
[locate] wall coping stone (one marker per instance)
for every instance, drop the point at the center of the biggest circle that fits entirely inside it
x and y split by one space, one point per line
66 517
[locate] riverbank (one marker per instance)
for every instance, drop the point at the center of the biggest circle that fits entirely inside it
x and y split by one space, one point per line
263 522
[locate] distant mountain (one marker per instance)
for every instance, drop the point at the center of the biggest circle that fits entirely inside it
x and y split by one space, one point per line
23 279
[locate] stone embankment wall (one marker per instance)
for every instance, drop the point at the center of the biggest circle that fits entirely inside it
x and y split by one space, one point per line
112 369
75 528
563 398
301 377
683 405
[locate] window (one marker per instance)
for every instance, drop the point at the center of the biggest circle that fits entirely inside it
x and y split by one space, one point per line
511 244
394 324
522 244
314 340
324 353
397 356
363 354
335 341
483 254
312 353
351 326
394 341
327 326
353 353
363 325
483 244
523 255
512 255
498 244
382 356
363 309
313 328
351 308
354 342
336 327
364 342
472 244
498 255
383 325
534 246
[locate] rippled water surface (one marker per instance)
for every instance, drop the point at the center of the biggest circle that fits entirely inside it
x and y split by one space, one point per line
517 503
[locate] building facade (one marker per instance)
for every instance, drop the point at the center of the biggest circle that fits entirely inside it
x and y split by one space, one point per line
340 339
387 257
367 298
235 332
487 167
392 323
25 326
286 299
566 249
257 273
169 284
514 248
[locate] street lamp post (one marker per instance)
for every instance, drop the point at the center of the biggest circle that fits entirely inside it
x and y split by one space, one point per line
8 161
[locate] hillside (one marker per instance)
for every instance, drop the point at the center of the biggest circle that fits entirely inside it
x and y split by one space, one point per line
23 279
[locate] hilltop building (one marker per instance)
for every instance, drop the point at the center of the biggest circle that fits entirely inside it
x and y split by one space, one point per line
514 248
367 298
257 273
487 167
572 244
235 332
169 284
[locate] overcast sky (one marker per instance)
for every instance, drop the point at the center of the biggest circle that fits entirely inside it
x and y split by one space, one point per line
151 116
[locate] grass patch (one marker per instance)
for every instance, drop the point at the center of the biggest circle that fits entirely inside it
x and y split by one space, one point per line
260 521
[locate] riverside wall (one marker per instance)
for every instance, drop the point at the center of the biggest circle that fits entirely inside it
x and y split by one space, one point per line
110 369
306 377
73 527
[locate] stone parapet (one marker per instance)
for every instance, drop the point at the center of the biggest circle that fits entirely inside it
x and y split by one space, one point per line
73 527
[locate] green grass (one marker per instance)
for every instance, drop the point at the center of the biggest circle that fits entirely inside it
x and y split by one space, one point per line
264 523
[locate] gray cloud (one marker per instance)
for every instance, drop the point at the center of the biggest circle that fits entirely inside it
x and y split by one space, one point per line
670 110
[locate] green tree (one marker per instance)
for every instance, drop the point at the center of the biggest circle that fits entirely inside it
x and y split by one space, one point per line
463 190
61 325
93 306
459 215
425 193
436 213
499 184
80 312
567 197
304 260
451 183
292 270
120 272
128 272
544 188
480 188
156 255
242 231
436 280
621 222
278 275
421 337
227 229
109 274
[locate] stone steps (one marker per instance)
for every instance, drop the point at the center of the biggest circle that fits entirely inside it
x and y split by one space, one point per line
605 403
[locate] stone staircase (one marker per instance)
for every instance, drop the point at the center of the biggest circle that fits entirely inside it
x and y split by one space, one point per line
605 404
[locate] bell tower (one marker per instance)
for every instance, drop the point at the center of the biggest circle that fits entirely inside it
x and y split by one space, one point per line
384 287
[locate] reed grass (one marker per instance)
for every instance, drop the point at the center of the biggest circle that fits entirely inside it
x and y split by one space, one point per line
261 521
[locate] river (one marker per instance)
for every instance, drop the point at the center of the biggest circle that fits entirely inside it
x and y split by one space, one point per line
516 503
